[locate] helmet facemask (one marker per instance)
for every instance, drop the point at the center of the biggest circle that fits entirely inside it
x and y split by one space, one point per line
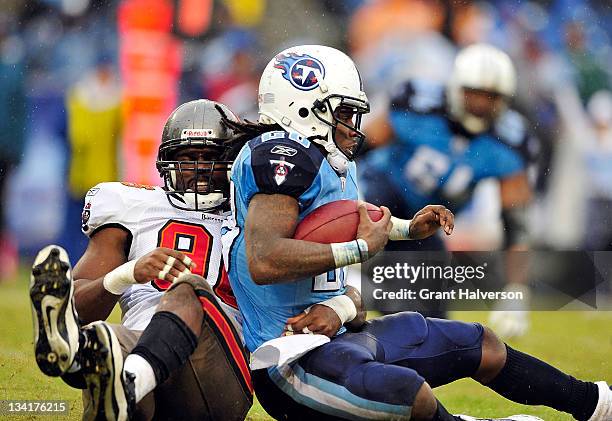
344 122
198 185
485 69
482 108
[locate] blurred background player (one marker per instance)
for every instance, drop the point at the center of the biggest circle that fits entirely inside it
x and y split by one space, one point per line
183 340
446 140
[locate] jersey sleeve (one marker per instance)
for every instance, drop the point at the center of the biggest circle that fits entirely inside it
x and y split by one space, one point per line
105 206
284 166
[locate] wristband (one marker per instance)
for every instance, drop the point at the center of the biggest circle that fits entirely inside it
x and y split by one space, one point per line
400 230
120 278
350 252
343 306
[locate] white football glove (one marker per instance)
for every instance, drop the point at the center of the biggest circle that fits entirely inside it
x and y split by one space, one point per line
509 324
510 319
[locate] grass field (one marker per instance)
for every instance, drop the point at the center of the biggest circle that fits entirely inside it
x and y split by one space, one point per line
579 343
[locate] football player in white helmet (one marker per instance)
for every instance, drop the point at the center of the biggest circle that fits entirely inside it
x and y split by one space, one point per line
447 139
481 85
331 100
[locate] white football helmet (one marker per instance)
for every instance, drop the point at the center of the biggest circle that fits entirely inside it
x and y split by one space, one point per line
302 88
482 67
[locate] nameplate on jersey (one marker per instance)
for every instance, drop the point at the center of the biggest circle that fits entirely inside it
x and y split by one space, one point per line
188 133
281 169
283 150
213 217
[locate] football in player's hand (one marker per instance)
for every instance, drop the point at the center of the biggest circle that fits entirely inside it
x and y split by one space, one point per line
334 222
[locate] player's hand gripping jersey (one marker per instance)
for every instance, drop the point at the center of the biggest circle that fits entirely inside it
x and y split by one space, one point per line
144 212
434 159
280 163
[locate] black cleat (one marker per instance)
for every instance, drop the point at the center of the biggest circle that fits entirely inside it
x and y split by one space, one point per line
56 328
112 390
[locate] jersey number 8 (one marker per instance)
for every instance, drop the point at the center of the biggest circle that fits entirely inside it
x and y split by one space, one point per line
196 242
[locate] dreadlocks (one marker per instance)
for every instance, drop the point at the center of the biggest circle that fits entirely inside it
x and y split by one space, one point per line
243 132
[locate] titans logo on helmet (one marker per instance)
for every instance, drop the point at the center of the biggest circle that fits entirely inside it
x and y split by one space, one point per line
301 70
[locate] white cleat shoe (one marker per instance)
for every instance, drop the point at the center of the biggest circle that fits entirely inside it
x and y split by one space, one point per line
56 328
510 418
603 410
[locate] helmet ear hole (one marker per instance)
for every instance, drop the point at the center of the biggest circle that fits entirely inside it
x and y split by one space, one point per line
303 112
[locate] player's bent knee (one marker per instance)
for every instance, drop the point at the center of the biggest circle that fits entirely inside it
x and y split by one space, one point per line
493 357
182 302
425 404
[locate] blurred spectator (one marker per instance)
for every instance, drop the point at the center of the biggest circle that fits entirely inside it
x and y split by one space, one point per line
590 76
230 71
12 130
246 13
598 157
380 20
94 126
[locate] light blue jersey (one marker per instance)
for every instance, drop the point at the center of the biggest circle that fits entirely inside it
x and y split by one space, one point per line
280 163
434 159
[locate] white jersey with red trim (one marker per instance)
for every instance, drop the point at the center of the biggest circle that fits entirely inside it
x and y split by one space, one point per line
145 213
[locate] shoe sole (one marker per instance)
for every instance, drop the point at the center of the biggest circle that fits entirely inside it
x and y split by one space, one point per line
102 366
56 330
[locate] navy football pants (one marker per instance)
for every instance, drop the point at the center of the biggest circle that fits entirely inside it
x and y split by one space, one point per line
373 374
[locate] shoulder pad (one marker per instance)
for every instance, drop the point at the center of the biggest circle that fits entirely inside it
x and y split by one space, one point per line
420 96
138 185
284 163
107 204
511 128
292 139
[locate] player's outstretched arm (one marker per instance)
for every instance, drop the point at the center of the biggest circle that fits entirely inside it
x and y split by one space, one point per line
424 224
515 195
275 257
